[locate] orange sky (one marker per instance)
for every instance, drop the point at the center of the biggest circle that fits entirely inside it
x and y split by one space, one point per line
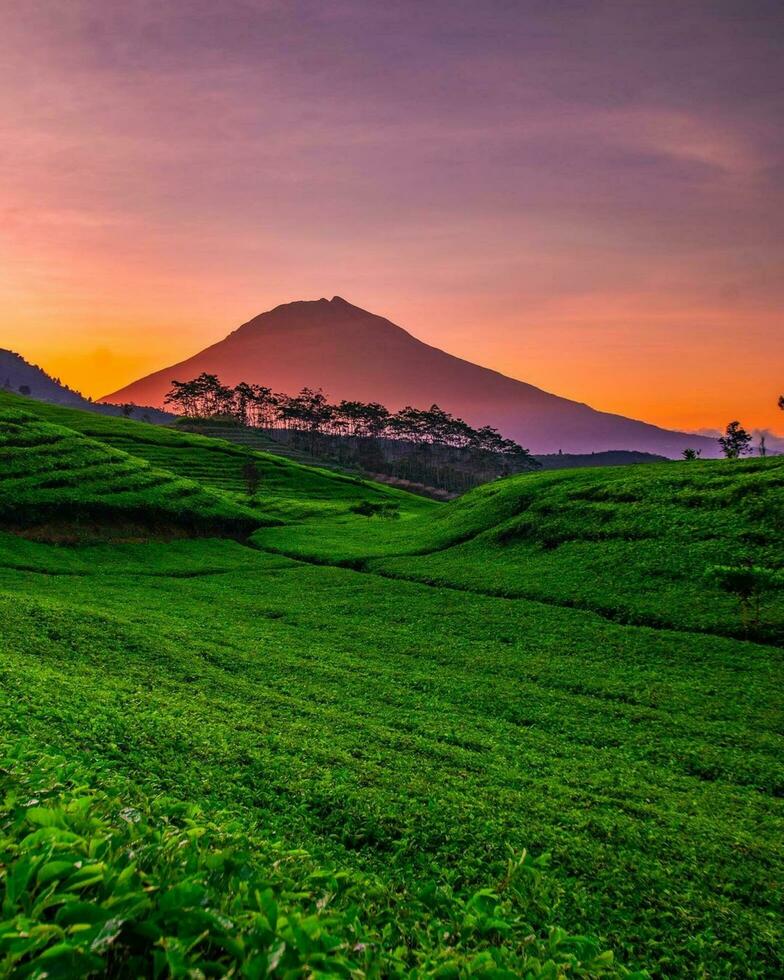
592 204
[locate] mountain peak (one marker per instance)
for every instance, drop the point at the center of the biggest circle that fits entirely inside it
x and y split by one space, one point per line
353 354
311 314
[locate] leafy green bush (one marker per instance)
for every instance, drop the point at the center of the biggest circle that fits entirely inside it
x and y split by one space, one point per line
95 883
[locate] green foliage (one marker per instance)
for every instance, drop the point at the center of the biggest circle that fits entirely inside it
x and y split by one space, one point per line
629 543
415 733
749 582
98 882
49 472
372 743
745 581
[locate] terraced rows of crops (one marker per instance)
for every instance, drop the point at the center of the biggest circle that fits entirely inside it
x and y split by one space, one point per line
211 462
50 473
386 769
631 543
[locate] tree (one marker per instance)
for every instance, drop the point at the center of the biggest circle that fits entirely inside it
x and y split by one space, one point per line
748 583
128 409
242 402
252 477
691 453
204 397
182 396
262 407
781 402
762 449
735 442
430 446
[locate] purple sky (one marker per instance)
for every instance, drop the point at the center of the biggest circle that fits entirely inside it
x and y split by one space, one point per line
587 196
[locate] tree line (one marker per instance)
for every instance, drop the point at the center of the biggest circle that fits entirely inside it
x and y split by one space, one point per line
309 411
413 443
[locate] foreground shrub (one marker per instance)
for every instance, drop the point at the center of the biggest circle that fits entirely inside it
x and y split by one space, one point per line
93 884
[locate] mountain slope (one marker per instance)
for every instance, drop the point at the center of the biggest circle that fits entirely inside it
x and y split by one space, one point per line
20 376
351 353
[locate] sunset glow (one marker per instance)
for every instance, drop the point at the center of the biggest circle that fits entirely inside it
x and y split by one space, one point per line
588 198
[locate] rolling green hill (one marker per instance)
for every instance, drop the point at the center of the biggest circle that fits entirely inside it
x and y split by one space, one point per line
633 544
285 485
52 475
452 742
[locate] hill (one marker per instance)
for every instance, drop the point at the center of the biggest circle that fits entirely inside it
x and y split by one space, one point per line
353 354
633 544
615 457
21 377
52 475
286 486
475 738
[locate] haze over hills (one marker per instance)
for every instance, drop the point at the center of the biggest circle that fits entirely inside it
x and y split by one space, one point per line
354 354
23 378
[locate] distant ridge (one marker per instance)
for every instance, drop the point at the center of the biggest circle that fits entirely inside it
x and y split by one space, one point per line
354 354
23 378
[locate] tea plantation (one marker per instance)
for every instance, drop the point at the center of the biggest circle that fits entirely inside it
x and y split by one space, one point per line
338 730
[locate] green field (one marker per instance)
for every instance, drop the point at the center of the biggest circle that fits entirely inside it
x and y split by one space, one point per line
520 734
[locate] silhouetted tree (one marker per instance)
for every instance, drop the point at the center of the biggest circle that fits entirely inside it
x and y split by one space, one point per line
252 477
735 442
242 402
691 453
204 397
263 407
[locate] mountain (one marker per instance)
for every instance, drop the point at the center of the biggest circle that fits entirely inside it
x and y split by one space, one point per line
24 378
354 354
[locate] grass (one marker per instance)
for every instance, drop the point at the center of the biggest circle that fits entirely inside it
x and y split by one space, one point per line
634 543
287 488
51 473
369 747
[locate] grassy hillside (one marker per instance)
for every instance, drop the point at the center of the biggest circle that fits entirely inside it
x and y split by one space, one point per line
286 487
632 543
337 770
53 475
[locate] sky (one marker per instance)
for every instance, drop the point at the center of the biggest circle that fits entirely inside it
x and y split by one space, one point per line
588 196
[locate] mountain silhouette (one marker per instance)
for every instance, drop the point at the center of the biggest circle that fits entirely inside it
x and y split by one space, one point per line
354 354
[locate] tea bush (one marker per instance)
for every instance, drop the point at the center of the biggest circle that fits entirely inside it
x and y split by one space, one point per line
99 882
542 665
